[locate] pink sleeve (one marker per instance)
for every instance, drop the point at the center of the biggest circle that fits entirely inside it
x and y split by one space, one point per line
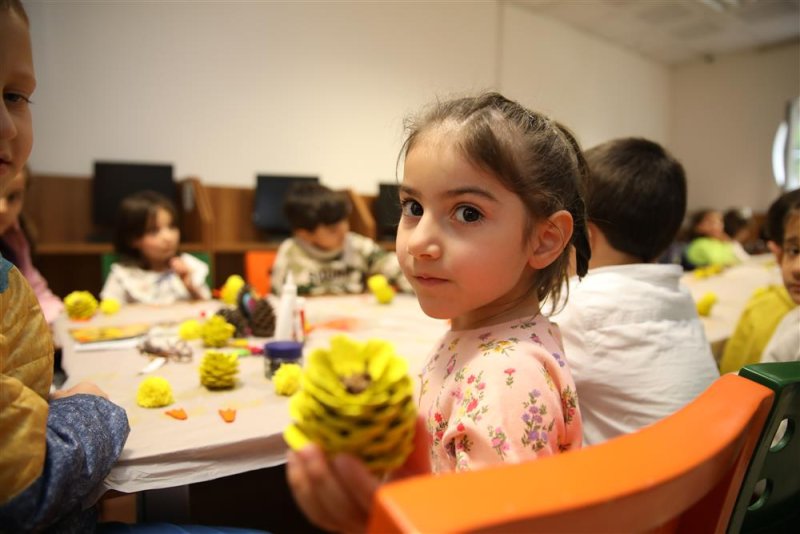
51 305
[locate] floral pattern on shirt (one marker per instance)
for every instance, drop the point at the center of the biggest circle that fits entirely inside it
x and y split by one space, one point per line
493 395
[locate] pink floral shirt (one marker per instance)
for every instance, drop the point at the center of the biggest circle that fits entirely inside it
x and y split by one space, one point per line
503 393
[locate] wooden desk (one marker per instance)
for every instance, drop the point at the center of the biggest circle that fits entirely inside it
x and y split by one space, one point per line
163 452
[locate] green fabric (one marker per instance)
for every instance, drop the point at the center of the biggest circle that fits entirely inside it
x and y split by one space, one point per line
705 251
110 258
758 321
778 510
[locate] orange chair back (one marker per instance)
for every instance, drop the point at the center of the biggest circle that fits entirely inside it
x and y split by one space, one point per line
257 267
681 474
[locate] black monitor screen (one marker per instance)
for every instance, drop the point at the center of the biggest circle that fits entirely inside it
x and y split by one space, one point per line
270 191
113 182
387 211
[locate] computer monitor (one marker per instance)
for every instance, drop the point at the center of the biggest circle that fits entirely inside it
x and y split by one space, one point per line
113 181
268 213
387 211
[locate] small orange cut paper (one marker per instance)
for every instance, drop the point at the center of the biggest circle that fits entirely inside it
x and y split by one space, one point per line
178 413
229 415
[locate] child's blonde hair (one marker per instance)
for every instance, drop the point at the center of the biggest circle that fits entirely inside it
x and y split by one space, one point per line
531 155
15 6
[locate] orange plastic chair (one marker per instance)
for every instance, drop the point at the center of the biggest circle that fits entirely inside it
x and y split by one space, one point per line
681 474
257 267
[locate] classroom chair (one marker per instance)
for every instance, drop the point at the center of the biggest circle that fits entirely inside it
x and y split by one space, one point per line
681 474
109 258
257 267
769 500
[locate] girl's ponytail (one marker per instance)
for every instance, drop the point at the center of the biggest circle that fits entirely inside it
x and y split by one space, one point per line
577 208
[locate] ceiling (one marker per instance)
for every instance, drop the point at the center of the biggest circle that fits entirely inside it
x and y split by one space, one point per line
679 31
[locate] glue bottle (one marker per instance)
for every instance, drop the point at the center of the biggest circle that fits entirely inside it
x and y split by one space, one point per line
285 321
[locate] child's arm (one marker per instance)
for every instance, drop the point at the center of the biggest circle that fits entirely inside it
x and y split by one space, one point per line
85 434
337 494
380 261
193 279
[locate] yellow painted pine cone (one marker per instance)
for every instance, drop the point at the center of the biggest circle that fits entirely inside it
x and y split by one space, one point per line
357 398
154 392
110 306
379 285
287 379
190 329
80 305
705 303
218 369
216 331
230 289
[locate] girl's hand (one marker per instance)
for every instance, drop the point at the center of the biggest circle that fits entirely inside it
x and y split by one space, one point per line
86 388
337 495
182 270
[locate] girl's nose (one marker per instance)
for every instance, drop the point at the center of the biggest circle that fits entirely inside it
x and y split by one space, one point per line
423 241
8 130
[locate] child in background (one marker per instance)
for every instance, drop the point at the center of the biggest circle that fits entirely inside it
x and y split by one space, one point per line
783 230
324 257
53 456
736 225
15 244
768 305
708 242
149 269
633 339
490 204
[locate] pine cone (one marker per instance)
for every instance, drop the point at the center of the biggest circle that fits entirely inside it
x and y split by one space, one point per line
262 319
218 369
234 317
357 398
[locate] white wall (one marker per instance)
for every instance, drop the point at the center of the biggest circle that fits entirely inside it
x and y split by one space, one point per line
597 89
226 90
724 118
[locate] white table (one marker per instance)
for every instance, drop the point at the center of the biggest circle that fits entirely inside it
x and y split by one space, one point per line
164 452
733 287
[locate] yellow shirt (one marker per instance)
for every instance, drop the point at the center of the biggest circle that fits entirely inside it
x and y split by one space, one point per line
758 321
26 371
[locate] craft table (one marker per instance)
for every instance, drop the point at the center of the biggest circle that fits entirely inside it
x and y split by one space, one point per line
733 287
163 452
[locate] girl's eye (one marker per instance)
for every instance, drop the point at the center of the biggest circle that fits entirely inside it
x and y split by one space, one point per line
16 98
468 214
411 208
13 198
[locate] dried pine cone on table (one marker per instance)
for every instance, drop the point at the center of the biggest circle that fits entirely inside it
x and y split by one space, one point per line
235 317
262 319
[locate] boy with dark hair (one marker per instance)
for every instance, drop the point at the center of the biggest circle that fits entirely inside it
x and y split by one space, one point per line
632 335
324 257
783 232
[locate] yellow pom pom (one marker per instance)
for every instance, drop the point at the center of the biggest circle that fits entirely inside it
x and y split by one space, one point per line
379 285
110 306
230 289
218 369
216 332
705 303
190 329
287 379
358 398
154 392
80 305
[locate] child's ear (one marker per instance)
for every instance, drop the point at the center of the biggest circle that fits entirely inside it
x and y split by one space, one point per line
549 238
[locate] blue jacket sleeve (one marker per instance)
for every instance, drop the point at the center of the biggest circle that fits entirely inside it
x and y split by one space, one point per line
85 436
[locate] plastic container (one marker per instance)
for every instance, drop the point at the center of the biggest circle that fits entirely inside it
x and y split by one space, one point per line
276 353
